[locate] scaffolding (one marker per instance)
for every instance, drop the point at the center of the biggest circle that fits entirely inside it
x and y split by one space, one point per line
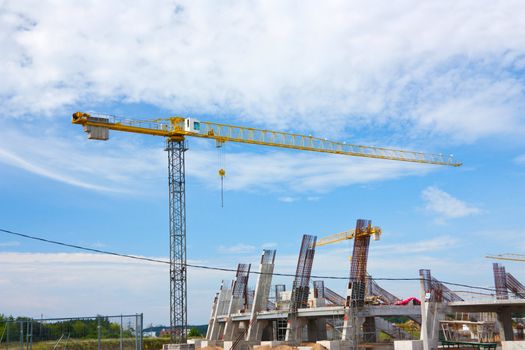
240 285
515 286
500 281
359 262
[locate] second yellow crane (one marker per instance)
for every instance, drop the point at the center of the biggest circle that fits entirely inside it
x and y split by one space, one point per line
374 231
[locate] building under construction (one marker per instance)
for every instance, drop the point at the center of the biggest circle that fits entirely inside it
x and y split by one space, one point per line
307 311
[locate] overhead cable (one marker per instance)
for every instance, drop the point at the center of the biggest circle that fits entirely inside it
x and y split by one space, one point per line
215 268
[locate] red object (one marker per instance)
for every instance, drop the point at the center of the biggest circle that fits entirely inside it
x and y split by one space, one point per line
415 301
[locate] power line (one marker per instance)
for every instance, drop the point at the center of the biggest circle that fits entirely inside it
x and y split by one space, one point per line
215 268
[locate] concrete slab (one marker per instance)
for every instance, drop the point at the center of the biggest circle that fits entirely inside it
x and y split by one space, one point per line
408 345
242 345
195 342
205 343
178 347
273 343
334 344
513 345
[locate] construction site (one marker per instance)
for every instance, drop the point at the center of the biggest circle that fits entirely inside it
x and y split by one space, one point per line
262 175
309 313
306 313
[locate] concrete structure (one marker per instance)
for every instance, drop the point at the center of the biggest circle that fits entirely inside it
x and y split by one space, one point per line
238 303
513 345
304 314
261 296
503 308
265 322
241 319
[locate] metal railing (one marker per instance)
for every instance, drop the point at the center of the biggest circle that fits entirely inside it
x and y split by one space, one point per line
121 332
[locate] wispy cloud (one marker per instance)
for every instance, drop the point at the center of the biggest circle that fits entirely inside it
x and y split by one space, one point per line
239 248
445 205
323 69
10 244
135 167
520 160
269 245
14 160
288 199
63 278
118 168
426 246
298 173
49 283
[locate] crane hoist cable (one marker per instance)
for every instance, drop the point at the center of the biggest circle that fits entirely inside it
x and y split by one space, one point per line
220 165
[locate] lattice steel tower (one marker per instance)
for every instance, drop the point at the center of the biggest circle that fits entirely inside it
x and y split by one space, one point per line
177 227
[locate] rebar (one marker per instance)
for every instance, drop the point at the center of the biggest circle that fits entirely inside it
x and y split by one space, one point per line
500 281
359 262
301 284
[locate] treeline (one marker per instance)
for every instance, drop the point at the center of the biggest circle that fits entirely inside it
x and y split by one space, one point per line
75 329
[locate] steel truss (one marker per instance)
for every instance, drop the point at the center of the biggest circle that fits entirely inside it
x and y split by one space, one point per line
177 227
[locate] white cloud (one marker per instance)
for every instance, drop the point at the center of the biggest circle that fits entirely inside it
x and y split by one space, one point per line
298 172
239 248
121 167
407 65
432 245
269 245
445 205
414 71
10 244
49 283
131 166
520 160
288 199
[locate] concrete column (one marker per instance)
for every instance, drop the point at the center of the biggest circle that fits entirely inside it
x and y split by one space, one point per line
232 329
294 330
350 331
369 330
224 297
229 326
505 324
213 315
431 313
262 293
316 329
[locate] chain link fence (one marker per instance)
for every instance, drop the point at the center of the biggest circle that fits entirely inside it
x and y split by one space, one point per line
121 332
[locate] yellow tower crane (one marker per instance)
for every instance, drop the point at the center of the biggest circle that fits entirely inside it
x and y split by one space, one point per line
175 130
374 231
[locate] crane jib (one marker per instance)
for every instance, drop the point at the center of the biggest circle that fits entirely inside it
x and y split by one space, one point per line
179 128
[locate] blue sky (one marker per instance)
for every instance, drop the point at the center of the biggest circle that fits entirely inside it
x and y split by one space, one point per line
442 77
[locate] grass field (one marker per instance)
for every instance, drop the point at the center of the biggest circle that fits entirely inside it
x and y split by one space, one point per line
90 344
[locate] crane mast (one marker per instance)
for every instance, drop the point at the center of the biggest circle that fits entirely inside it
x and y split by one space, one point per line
175 130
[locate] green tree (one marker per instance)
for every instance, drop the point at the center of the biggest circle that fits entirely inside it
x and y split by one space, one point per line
194 332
